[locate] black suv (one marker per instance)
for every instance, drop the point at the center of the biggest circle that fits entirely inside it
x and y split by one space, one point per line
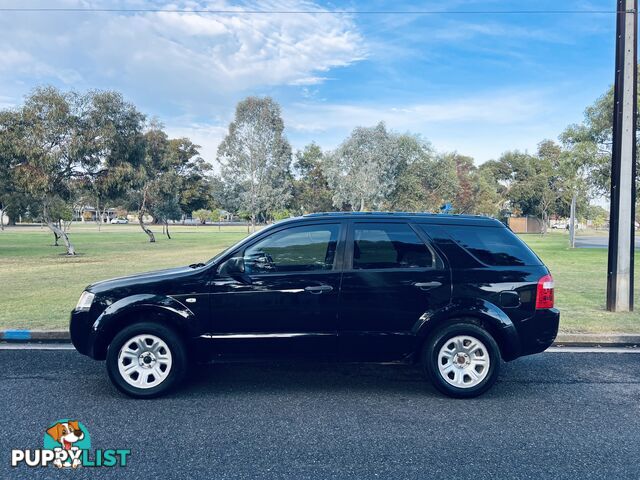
455 293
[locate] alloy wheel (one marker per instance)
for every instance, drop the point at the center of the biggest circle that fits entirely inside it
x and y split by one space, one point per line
144 361
463 361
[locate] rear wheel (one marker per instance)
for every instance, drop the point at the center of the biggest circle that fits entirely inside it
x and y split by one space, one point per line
462 360
146 360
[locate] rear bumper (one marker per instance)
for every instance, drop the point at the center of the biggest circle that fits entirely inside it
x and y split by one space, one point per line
539 332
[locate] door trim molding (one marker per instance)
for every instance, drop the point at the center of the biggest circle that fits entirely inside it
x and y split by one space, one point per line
211 336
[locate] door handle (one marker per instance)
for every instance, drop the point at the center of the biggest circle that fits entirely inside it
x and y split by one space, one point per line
427 285
317 289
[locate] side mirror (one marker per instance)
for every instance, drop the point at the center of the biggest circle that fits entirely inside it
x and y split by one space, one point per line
232 267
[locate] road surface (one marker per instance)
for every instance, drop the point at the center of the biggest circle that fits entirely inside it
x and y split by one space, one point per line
555 415
598 241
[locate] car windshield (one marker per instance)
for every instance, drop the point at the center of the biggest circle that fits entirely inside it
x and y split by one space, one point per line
224 252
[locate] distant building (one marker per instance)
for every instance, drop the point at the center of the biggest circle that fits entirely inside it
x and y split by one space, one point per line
88 213
525 224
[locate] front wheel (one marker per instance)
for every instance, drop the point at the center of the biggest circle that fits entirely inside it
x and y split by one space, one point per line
462 360
145 360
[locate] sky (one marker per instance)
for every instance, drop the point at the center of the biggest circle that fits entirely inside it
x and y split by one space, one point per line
477 83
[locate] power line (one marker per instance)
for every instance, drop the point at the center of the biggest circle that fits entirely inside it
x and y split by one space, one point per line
312 12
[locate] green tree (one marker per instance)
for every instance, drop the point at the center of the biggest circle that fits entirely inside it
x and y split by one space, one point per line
486 194
363 170
311 192
149 174
9 191
194 190
169 179
49 149
116 131
255 157
202 215
426 182
464 201
590 143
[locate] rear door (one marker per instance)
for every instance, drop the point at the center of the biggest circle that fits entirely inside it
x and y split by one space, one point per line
392 278
493 264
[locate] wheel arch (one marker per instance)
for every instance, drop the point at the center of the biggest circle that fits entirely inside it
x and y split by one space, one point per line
138 308
481 313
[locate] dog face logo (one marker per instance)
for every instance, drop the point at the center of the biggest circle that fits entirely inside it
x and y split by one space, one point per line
67 444
67 438
66 433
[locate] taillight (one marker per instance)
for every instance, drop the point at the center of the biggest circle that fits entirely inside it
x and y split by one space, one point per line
544 297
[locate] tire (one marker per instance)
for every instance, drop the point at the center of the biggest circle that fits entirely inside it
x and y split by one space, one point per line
455 359
160 366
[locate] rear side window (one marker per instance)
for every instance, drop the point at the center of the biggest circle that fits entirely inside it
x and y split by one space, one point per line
388 245
493 246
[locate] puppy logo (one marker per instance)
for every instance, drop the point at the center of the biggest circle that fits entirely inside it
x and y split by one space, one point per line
67 438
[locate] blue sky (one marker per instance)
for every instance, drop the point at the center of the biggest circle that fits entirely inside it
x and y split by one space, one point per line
476 83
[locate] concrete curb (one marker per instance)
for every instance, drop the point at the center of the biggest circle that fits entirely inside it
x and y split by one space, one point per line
597 339
564 339
44 336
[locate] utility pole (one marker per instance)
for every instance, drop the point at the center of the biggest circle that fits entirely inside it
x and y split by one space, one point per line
623 171
572 222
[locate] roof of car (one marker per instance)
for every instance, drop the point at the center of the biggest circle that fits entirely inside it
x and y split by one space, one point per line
435 218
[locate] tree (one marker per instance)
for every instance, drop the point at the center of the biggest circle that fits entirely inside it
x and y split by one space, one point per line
255 156
202 215
116 131
363 170
149 173
194 190
311 192
172 177
49 149
486 194
163 200
8 159
181 183
464 199
587 162
426 182
593 140
598 215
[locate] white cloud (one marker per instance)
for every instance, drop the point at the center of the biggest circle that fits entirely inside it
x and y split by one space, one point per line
482 125
188 60
495 107
207 136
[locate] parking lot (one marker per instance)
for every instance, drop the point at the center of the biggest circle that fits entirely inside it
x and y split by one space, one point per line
555 415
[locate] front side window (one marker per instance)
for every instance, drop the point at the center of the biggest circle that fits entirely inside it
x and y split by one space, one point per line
389 245
296 249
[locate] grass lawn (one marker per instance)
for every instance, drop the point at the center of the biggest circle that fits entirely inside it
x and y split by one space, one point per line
39 285
580 276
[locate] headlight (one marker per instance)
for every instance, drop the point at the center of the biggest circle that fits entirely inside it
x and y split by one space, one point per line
84 304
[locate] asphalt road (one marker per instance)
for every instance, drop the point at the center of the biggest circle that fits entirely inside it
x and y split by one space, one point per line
555 415
598 241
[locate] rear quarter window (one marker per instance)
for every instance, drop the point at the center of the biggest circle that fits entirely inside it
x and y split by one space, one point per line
494 246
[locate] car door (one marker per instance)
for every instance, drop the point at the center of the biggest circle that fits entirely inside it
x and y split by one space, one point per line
392 278
286 301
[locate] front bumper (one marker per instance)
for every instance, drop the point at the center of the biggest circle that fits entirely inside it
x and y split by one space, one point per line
539 332
82 333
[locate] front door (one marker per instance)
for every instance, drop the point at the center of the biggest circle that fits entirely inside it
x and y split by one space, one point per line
286 301
392 278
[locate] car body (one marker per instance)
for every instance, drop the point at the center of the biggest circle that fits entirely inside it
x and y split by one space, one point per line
341 286
116 221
